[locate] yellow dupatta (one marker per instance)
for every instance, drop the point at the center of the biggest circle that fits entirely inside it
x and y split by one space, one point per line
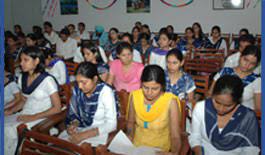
157 108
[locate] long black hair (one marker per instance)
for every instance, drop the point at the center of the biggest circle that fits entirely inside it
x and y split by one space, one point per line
35 53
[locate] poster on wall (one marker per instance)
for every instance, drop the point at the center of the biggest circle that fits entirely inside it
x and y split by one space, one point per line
228 4
138 6
69 7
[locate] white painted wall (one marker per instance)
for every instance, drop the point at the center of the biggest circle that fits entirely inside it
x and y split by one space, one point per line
28 12
24 12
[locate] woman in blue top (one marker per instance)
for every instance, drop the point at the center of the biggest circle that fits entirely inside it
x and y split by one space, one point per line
188 42
113 41
145 47
135 37
177 81
200 38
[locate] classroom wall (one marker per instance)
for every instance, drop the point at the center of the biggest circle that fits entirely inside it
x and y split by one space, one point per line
160 15
24 12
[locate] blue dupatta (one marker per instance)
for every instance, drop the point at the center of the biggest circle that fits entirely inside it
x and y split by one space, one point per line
159 51
82 108
217 45
241 131
53 62
246 80
29 89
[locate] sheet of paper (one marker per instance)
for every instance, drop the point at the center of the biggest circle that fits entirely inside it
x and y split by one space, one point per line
121 144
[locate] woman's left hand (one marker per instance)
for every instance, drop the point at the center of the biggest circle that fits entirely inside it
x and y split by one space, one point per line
76 138
26 118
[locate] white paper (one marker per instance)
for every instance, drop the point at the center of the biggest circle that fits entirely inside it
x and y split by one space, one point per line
121 144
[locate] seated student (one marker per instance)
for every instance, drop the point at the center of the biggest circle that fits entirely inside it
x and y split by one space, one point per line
158 55
156 37
50 34
235 42
222 125
12 49
113 41
216 41
42 42
170 29
127 37
56 67
249 59
40 96
31 40
233 60
174 40
91 54
82 34
78 57
73 33
66 46
200 38
154 115
187 43
178 82
18 30
135 37
12 94
100 35
93 108
21 40
124 72
36 29
145 47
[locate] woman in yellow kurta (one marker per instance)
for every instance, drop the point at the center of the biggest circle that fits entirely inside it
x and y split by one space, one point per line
153 114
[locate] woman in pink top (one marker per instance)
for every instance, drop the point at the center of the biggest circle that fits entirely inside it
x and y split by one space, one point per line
124 72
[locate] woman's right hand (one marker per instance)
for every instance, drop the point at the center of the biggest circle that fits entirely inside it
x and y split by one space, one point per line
71 129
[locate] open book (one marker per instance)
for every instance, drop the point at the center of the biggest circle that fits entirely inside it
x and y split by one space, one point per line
121 144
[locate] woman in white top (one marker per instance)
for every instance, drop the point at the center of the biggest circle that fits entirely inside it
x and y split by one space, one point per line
221 125
248 61
158 55
40 96
56 67
92 113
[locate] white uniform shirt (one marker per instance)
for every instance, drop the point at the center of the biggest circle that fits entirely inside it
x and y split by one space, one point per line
66 49
59 72
198 136
9 91
105 118
53 37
